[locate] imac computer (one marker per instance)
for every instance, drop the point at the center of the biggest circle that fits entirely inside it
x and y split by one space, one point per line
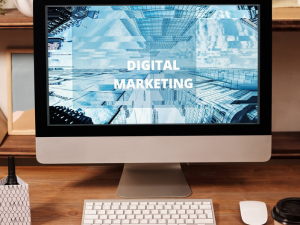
152 85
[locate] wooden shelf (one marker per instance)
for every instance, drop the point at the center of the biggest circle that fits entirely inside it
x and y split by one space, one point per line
285 145
284 19
19 146
14 20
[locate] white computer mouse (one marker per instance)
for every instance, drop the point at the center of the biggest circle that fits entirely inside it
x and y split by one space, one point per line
254 212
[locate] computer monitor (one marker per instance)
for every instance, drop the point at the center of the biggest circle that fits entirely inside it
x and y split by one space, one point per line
152 85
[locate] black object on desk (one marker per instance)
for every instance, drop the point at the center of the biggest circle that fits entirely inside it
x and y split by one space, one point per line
11 178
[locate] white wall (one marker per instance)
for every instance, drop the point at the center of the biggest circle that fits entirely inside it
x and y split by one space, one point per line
286 74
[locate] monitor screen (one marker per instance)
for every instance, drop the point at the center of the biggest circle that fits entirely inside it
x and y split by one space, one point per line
153 64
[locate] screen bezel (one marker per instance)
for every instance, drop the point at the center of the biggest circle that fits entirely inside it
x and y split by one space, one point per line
41 88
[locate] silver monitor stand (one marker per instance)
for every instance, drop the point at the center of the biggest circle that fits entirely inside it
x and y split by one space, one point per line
153 180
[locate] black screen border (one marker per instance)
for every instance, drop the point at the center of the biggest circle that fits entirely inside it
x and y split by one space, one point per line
263 127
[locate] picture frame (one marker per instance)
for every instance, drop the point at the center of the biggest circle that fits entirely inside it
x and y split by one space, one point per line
20 92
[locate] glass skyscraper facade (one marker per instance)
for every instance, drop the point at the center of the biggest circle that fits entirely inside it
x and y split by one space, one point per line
213 48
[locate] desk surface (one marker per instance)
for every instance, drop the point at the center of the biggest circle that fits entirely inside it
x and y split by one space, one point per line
57 192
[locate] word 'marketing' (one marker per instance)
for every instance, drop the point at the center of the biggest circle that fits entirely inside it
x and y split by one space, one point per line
153 83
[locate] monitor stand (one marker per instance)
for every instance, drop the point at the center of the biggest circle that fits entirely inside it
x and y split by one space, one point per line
153 180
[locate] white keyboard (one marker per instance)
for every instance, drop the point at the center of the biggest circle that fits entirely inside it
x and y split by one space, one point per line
156 211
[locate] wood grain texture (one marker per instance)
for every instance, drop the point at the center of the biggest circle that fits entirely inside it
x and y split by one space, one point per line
19 146
284 145
13 19
57 193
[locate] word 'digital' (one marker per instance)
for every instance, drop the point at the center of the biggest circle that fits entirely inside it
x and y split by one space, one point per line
153 65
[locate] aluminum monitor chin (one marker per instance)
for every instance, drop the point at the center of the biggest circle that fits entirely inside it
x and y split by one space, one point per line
153 82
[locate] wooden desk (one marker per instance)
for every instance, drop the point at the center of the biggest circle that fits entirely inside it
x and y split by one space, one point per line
57 192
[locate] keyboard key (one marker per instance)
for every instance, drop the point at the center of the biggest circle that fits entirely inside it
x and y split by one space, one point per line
190 212
137 212
167 216
110 212
107 221
200 211
163 212
139 217
206 203
97 207
121 217
112 217
130 217
154 212
194 207
141 207
157 216
89 207
185 207
133 207
143 221
205 207
202 216
125 221
103 217
180 221
134 203
116 203
193 216
107 203
150 207
98 203
172 212
188 203
162 221
204 221
101 212
119 212
150 217
176 207
143 203
127 212
152 203
125 203
170 203
124 207
146 211
153 221
179 203
189 221
90 212
171 221
115 207
88 221
197 203
116 221
161 203
98 221
89 203
184 216
176 216
91 217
